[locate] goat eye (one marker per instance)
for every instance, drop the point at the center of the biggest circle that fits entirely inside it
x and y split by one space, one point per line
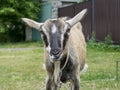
41 32
66 34
44 37
68 30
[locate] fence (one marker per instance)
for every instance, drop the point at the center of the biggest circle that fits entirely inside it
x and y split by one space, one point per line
103 18
73 10
117 70
107 19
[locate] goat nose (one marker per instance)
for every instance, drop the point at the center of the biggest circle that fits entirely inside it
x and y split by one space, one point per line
56 52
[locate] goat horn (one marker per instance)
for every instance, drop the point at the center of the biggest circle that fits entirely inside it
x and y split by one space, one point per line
77 18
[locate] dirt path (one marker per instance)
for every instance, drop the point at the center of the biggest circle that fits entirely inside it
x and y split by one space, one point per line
17 49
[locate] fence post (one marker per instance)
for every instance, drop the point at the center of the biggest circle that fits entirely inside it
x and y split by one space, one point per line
116 70
92 16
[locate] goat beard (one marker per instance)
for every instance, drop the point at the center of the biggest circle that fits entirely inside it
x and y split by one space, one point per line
56 71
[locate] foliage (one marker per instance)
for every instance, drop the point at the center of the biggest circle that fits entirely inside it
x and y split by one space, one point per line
105 46
11 12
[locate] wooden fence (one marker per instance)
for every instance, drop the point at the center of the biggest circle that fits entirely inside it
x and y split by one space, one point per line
103 18
73 10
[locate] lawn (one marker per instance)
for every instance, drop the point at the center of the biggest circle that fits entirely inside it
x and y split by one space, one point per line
21 68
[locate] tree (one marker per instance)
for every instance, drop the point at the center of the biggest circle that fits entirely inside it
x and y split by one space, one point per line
11 12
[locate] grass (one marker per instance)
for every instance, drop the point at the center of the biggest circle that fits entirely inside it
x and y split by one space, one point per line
22 69
21 45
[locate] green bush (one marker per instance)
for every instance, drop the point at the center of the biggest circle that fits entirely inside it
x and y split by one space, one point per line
106 45
3 37
11 12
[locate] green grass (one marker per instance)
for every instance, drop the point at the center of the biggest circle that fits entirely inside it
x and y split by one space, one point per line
22 69
22 45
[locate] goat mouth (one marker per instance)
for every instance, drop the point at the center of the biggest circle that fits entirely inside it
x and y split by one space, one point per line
55 58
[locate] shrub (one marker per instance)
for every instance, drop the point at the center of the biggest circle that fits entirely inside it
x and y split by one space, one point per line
11 12
106 45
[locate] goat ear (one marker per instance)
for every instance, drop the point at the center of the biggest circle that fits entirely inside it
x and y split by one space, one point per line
77 18
32 23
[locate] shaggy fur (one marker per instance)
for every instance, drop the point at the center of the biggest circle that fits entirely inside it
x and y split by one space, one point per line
64 41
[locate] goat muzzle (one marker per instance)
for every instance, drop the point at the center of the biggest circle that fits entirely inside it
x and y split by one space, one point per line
56 53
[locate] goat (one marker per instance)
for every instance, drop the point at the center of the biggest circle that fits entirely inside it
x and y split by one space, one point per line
65 49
